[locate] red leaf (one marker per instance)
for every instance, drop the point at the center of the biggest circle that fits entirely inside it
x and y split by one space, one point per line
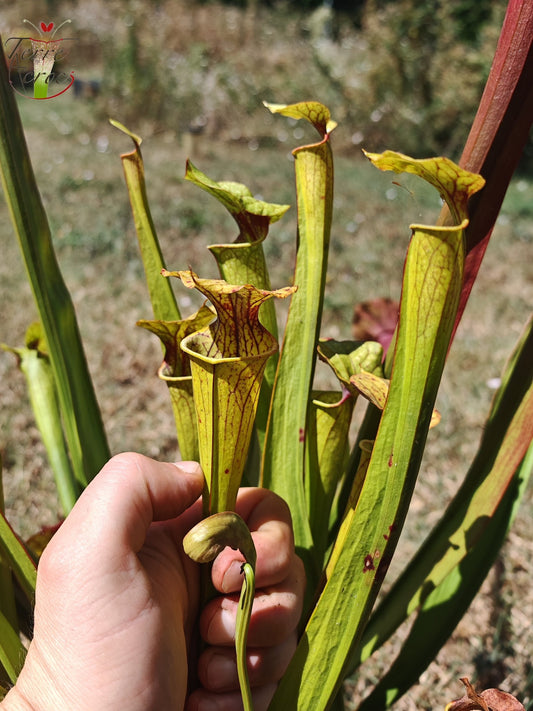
375 320
499 133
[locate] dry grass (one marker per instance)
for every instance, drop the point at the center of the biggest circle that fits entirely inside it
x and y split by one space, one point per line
75 154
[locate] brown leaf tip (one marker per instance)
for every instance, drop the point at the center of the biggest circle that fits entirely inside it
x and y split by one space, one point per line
488 700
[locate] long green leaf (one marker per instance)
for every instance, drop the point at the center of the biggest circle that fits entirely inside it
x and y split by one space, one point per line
12 651
14 559
507 436
284 453
82 420
7 591
446 604
16 556
432 283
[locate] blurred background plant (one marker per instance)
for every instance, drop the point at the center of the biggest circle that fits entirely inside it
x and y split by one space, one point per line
400 73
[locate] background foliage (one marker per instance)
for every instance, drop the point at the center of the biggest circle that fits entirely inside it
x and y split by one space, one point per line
399 73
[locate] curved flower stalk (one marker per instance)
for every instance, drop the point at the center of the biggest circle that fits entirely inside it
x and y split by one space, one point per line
175 371
227 359
243 261
203 543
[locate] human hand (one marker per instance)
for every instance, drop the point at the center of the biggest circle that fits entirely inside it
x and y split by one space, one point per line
117 598
272 638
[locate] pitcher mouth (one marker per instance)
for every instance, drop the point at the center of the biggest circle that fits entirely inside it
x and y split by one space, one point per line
202 347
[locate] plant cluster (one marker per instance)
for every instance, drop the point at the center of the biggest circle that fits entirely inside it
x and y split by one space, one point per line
245 406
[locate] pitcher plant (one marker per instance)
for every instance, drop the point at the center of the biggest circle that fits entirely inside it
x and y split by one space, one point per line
246 405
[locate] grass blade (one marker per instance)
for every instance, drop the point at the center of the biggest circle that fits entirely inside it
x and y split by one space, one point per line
12 651
15 555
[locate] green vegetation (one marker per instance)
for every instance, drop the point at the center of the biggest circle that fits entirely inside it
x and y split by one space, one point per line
365 260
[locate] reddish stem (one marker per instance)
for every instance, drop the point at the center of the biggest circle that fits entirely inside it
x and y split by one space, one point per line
499 133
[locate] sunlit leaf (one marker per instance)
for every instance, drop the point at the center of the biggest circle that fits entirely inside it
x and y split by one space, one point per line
284 451
455 185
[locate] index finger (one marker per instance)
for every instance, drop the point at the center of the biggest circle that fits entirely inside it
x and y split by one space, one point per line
269 520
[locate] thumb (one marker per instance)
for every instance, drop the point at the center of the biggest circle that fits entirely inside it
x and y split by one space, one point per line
130 493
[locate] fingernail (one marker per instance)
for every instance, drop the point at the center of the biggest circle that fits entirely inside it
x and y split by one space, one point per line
189 467
232 580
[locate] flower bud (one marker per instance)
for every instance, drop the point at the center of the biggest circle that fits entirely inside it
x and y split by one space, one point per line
209 538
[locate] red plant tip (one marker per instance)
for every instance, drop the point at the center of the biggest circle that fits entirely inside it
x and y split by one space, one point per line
375 320
47 28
